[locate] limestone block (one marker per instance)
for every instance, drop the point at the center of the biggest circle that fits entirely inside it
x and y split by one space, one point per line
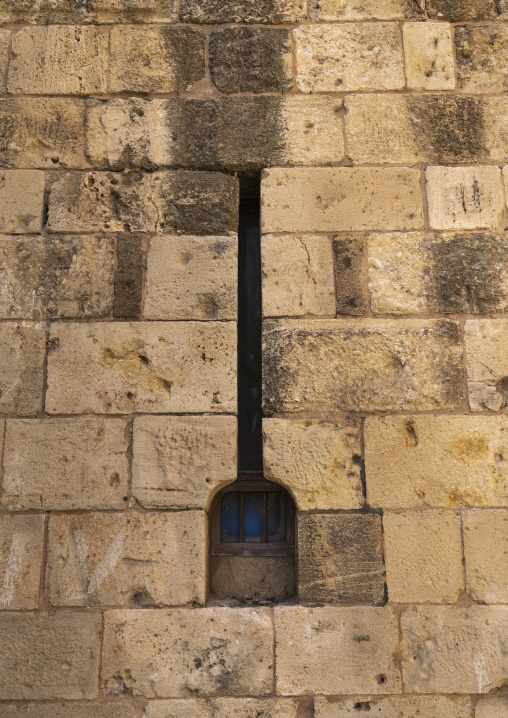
56 277
361 365
492 707
155 59
77 463
321 199
191 278
482 58
21 201
127 559
216 12
402 707
41 133
423 554
447 649
364 10
440 461
93 11
5 43
297 275
485 550
180 653
68 709
340 558
268 578
345 58
487 363
130 274
244 59
429 56
464 10
49 655
464 197
333 650
319 462
225 708
452 272
142 367
228 132
20 561
180 461
58 60
183 202
350 274
23 350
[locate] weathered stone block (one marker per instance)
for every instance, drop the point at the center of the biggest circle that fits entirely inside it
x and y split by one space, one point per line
130 271
457 273
65 463
244 59
155 59
55 277
340 558
345 58
181 461
42 132
336 650
21 201
361 365
68 709
492 707
127 559
365 10
318 461
448 649
5 44
53 655
181 653
464 197
482 58
216 12
350 275
20 561
487 363
423 553
464 10
226 708
429 56
267 578
100 11
245 132
58 60
320 199
150 367
485 549
23 350
182 202
402 707
438 461
297 275
191 278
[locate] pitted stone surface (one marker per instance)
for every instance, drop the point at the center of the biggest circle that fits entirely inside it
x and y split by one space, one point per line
402 707
487 365
327 10
429 56
101 11
227 708
482 58
212 12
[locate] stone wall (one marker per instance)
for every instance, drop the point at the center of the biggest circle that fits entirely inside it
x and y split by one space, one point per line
381 130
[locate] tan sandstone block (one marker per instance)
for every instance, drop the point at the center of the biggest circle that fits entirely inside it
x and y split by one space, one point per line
178 653
58 60
5 43
465 197
423 554
485 550
344 58
439 461
127 559
447 649
336 650
320 199
356 365
49 655
429 56
226 708
155 59
401 707
487 363
318 461
181 461
151 367
20 561
23 350
65 463
191 278
492 708
482 58
297 275
363 10
21 201
70 709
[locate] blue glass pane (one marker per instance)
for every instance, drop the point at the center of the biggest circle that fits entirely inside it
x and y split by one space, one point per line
230 518
253 517
276 518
